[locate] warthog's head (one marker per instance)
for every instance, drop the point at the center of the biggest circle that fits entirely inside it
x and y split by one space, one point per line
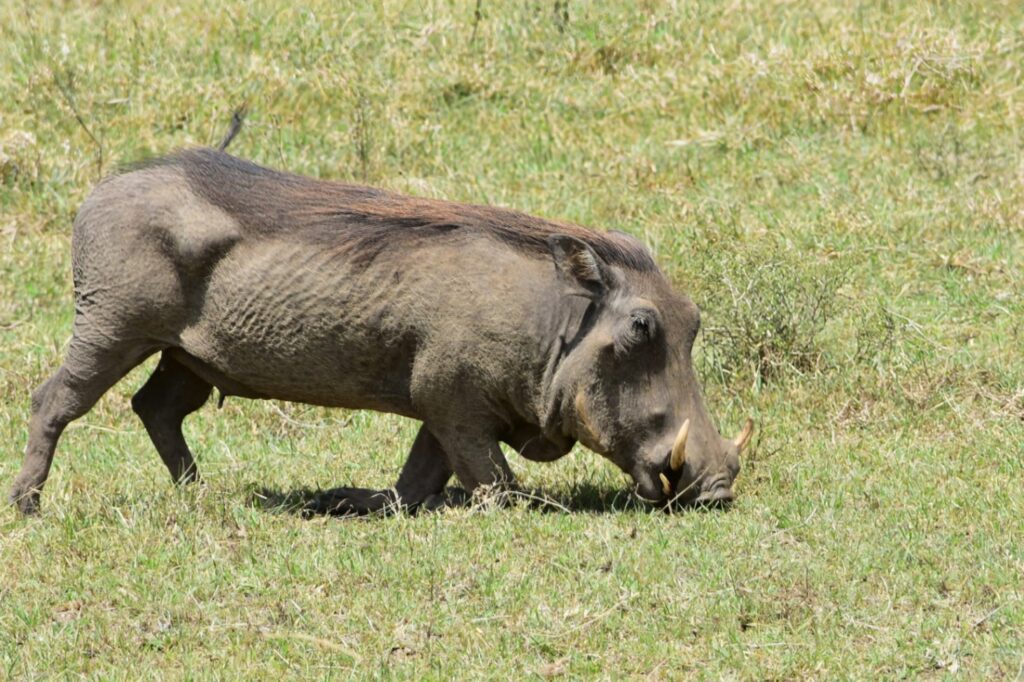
628 387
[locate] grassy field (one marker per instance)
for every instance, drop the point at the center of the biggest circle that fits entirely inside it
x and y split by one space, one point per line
840 187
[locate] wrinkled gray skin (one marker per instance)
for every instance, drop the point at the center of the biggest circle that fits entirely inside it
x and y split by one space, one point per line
482 341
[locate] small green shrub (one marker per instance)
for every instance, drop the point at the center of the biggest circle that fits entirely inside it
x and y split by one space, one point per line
765 317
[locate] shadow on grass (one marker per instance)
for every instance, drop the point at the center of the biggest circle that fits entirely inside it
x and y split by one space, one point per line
579 499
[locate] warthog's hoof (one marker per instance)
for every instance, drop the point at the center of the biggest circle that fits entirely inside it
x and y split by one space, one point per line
27 501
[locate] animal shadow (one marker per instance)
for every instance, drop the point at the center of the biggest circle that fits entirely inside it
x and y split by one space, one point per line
585 498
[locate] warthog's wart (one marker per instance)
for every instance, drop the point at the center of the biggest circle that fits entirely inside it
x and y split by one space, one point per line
485 324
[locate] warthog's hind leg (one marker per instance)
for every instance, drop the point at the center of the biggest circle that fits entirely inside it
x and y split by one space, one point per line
89 370
421 483
171 394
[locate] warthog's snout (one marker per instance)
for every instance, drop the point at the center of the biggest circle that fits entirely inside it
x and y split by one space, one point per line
718 495
699 477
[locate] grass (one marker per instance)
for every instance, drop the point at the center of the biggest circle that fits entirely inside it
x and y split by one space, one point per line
840 186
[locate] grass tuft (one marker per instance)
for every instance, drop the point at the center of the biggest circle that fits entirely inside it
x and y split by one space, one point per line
769 318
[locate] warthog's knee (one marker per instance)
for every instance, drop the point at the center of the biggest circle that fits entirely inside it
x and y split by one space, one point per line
141 406
147 403
42 392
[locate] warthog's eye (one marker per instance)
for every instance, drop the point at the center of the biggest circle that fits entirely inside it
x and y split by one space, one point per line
641 326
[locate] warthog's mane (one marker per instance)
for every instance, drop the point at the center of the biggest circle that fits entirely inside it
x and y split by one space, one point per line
365 221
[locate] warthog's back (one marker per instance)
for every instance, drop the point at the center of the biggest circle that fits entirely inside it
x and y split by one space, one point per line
365 221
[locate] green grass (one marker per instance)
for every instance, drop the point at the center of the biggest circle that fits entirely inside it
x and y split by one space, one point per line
839 186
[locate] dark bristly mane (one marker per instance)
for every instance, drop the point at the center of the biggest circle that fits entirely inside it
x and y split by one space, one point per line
364 221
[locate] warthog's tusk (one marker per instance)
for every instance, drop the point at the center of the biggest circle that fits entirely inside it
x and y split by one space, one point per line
679 447
744 437
666 487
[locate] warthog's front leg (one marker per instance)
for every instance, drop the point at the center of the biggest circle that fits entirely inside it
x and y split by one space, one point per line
477 459
422 481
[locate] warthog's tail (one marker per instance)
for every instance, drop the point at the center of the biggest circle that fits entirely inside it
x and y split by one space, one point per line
237 119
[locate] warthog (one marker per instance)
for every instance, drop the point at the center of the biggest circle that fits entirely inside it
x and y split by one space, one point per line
485 324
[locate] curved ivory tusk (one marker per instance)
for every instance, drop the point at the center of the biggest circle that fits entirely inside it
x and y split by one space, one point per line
679 447
666 487
744 437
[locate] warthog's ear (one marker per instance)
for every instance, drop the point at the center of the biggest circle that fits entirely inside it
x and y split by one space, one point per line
577 263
